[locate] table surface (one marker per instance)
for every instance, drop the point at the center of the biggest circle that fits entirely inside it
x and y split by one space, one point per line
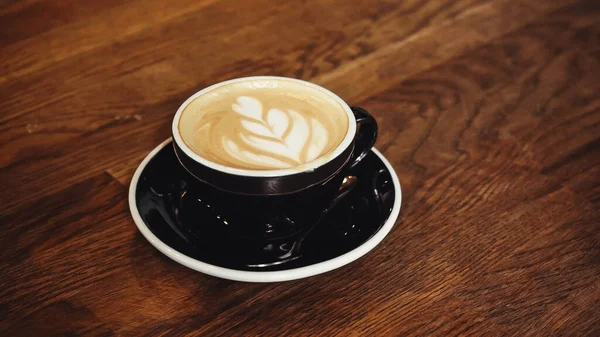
489 111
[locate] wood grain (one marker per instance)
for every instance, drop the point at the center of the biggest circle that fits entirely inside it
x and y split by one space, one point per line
488 110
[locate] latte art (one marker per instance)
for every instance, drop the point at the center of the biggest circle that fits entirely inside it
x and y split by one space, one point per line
286 137
263 126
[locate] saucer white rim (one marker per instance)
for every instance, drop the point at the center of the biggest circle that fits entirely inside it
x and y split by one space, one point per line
262 276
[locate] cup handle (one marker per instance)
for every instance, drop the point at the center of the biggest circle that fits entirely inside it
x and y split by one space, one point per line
366 134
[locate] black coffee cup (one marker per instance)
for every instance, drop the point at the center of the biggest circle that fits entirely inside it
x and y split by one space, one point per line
261 208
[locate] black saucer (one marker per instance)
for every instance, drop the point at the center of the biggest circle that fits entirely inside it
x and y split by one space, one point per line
166 203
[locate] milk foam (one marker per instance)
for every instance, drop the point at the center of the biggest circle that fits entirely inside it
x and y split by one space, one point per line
263 125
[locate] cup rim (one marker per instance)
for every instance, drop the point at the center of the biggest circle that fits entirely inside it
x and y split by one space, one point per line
311 166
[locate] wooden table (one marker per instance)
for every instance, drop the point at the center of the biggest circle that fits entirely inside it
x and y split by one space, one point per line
488 110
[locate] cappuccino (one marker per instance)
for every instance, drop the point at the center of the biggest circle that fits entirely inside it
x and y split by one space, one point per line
264 124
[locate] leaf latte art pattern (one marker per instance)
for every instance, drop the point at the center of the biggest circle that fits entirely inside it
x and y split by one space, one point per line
277 138
264 125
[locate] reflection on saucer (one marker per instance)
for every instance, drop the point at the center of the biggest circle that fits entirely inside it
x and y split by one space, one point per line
178 216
